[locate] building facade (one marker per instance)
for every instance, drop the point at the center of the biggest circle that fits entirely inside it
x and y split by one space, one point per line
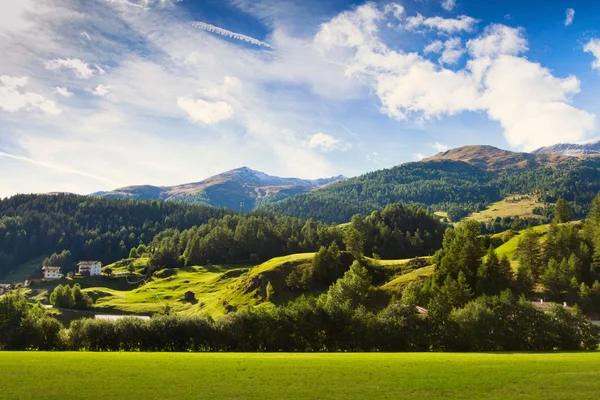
90 268
52 272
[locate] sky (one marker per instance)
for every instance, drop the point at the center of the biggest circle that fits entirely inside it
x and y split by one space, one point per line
99 94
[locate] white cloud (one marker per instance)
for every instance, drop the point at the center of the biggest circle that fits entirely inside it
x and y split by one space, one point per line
447 25
395 9
13 15
419 156
448 5
63 91
13 98
85 35
531 104
81 69
496 40
224 32
569 16
593 47
205 112
326 143
453 51
101 90
434 47
440 146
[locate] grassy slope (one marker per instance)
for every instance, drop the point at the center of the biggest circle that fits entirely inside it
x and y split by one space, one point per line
218 289
396 284
512 206
23 271
373 376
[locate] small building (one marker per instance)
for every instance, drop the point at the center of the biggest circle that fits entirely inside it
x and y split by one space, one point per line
52 272
189 296
90 268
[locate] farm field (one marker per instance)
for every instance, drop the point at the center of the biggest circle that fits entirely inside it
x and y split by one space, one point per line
300 376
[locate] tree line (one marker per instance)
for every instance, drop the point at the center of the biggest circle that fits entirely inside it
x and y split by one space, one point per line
398 231
335 321
446 185
87 227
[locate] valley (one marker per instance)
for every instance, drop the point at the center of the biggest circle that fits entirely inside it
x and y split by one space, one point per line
507 227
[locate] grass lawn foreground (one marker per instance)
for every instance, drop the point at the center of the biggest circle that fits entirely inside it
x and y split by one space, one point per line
81 375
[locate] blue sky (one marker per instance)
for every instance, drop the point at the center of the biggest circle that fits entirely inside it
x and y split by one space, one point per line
99 94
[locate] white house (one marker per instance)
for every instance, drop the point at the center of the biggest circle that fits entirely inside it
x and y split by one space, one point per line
52 272
90 268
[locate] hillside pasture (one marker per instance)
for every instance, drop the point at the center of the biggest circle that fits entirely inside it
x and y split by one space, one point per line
263 376
511 206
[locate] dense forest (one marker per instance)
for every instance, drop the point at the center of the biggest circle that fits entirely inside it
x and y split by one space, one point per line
88 228
447 185
398 231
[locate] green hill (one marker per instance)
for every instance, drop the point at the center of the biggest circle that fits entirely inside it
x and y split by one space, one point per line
459 182
218 289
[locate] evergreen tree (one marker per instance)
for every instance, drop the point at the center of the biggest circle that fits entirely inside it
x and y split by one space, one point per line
529 253
354 242
351 290
494 275
562 211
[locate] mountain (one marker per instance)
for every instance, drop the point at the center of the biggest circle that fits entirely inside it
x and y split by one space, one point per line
228 189
493 159
457 181
571 149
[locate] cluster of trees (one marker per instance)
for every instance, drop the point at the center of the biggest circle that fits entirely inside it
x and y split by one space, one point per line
70 297
87 227
25 326
453 186
398 231
64 260
565 262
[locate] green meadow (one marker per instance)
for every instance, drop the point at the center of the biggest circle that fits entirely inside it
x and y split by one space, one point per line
181 376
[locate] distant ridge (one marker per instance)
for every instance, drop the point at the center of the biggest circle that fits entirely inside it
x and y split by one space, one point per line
571 149
493 159
229 189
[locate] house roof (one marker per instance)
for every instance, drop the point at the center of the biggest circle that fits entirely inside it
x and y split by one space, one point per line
53 269
87 263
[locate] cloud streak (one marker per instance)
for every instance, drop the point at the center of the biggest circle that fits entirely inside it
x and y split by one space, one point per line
59 168
233 35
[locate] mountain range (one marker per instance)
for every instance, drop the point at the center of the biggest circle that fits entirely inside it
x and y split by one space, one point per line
570 149
229 189
459 180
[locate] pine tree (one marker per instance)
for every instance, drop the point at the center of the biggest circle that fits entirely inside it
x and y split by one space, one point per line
529 252
562 211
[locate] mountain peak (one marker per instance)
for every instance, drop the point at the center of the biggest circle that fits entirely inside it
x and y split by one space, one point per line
493 159
591 147
228 189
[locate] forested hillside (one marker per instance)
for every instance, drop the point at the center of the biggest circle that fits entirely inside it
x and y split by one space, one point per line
90 228
447 183
398 231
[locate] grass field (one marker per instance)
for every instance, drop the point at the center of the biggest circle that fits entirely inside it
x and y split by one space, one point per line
512 206
371 376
